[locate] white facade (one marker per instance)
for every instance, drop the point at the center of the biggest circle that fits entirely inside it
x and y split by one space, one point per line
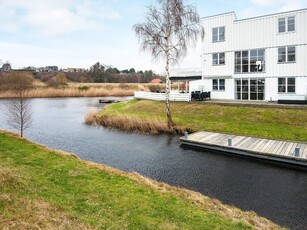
261 58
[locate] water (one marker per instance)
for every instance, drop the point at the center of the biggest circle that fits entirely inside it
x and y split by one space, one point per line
272 191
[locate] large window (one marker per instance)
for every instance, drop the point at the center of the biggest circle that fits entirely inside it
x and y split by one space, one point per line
286 85
218 84
286 24
218 34
250 61
249 89
218 59
286 54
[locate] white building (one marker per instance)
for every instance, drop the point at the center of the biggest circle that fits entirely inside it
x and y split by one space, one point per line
260 58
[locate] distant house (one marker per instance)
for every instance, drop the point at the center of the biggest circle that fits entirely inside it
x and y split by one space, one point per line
75 70
46 69
156 81
6 67
43 69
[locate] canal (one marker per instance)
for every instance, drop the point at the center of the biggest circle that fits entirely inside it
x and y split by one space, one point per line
272 191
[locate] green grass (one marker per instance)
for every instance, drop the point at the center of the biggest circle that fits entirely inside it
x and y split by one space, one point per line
41 188
273 123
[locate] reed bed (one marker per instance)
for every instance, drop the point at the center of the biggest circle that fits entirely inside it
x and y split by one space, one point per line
70 92
90 117
131 124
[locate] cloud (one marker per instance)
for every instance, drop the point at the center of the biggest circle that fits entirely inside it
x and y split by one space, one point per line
262 7
56 17
291 5
264 3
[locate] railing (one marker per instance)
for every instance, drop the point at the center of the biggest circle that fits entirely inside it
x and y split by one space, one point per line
186 72
173 96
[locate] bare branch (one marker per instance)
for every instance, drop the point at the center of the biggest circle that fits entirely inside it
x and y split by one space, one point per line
170 26
19 114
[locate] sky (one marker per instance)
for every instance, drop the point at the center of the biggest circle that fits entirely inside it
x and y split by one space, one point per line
79 33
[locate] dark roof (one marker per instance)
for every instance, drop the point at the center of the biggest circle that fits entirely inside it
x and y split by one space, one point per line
185 78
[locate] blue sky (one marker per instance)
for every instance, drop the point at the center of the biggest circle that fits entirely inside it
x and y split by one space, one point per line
78 33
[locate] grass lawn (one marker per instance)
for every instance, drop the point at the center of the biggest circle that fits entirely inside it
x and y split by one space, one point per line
42 188
272 123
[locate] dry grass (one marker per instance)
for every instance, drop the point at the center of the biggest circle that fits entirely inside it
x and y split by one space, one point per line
90 117
35 214
131 124
70 92
41 90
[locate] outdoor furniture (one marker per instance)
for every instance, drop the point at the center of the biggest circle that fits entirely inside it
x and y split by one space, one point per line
200 96
195 95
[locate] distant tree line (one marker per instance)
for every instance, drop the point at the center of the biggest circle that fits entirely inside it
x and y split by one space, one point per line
107 74
97 73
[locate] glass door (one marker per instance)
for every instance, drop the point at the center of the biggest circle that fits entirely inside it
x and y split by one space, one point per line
250 89
244 89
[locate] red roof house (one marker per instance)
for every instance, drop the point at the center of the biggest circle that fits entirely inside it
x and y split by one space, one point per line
156 81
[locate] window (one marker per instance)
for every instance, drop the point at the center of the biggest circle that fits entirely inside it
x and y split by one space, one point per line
286 85
286 54
218 84
247 61
286 24
281 25
218 34
291 24
250 89
218 59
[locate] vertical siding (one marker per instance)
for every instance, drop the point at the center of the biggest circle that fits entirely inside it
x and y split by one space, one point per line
255 33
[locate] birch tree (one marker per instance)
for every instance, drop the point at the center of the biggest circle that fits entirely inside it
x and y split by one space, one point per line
169 27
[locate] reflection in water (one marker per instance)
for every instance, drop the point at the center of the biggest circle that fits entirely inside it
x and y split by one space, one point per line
274 192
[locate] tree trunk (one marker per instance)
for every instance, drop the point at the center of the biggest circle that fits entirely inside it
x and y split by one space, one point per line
167 90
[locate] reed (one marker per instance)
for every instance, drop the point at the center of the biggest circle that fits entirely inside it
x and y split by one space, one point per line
131 124
90 117
70 92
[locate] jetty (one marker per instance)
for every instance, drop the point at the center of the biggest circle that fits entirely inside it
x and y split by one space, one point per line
294 153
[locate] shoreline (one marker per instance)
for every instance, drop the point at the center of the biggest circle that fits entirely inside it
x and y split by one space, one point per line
146 116
197 199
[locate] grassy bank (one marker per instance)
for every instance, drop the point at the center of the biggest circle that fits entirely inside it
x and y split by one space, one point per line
273 123
45 189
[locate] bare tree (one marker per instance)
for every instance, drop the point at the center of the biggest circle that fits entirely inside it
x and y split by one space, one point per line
170 26
19 114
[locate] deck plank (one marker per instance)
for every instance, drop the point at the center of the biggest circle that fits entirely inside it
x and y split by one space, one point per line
264 147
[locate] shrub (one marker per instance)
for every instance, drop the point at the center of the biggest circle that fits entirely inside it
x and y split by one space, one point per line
155 88
83 88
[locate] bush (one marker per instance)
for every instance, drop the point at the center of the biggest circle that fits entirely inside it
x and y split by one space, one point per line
155 88
83 88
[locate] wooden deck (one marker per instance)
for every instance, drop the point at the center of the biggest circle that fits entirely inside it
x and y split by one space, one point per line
276 150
